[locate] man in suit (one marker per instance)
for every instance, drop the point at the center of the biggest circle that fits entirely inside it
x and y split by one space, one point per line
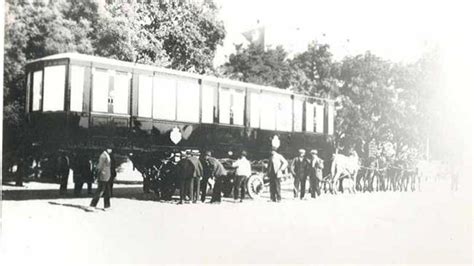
315 173
276 165
299 168
190 171
62 172
214 169
103 178
82 174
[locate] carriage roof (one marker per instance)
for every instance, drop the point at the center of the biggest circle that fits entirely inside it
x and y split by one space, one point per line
115 62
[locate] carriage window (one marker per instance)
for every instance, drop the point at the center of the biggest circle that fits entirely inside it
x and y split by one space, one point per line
319 118
231 106
208 93
54 87
267 111
145 87
100 90
309 117
224 106
284 113
121 92
77 88
238 106
298 115
254 109
188 100
164 98
330 114
37 82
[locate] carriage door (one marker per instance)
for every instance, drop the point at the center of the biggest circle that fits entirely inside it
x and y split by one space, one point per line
110 97
119 94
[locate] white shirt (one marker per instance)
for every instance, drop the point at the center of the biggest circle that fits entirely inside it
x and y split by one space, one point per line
243 167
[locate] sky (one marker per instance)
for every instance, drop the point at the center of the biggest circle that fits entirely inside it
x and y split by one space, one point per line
397 30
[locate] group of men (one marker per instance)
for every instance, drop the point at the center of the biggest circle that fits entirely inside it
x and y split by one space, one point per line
303 168
197 171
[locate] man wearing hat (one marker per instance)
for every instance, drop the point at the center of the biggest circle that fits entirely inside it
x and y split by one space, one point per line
62 171
276 165
213 169
242 172
315 173
299 168
190 171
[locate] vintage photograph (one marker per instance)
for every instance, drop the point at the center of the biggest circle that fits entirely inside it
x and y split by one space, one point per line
236 132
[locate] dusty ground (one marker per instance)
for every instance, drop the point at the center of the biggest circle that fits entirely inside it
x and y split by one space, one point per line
434 226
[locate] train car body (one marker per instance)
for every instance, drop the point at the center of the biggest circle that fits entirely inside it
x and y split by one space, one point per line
82 102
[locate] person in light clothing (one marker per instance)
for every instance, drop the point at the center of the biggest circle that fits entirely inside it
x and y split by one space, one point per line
242 172
315 174
103 178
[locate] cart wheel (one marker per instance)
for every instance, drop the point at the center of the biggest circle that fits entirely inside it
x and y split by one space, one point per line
255 186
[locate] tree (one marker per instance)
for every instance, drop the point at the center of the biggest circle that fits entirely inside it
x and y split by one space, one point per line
190 32
368 98
254 64
33 30
313 72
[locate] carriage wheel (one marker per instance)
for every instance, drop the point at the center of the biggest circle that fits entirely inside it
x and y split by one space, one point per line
255 186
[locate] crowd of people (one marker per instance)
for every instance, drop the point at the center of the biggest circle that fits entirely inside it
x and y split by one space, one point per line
196 173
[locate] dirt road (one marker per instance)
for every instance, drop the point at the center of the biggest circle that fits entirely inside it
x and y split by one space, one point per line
429 227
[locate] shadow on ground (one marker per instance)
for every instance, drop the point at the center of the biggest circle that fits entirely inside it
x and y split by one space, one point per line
134 192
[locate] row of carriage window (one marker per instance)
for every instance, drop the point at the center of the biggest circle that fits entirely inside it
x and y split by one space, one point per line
169 98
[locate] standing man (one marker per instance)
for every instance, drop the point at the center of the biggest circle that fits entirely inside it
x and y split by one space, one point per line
82 174
62 171
315 174
217 171
242 172
189 172
103 178
276 165
299 168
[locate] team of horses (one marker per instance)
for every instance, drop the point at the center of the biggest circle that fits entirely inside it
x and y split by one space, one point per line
377 174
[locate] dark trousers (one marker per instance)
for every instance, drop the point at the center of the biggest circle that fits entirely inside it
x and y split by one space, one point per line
63 178
314 186
191 186
103 189
239 186
275 189
111 184
300 187
217 190
204 182
78 188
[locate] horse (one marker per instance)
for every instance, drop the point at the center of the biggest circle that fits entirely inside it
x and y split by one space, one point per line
344 167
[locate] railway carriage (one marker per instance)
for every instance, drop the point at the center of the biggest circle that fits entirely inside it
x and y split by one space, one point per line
81 103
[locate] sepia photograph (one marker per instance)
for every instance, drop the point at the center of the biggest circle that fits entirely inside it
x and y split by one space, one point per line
236 132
